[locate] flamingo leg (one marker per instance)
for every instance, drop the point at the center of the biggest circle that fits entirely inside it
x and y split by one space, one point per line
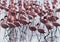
47 35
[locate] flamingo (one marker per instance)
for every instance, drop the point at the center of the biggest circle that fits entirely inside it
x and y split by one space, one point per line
41 14
53 18
36 9
56 25
24 22
58 10
9 20
32 28
4 25
54 3
46 4
29 12
22 17
11 25
30 17
21 10
44 21
49 27
20 2
17 23
34 14
4 3
25 4
1 7
41 31
12 10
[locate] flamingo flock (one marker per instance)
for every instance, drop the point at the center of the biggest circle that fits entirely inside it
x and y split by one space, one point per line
24 13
